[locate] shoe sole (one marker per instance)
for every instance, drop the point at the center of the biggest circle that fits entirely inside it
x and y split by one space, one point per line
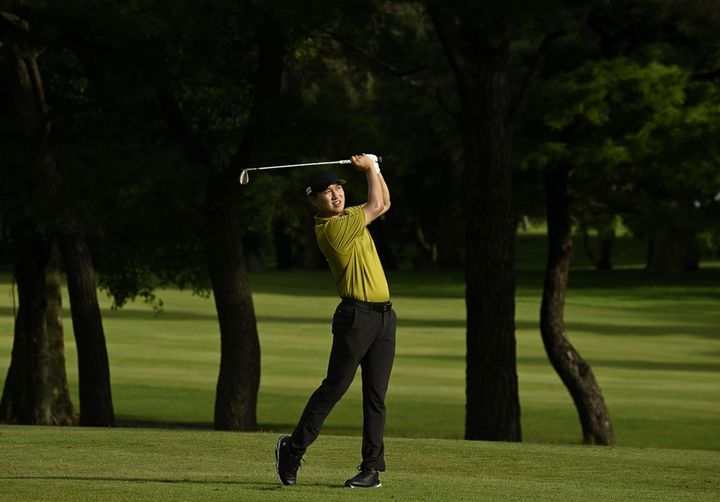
277 459
374 486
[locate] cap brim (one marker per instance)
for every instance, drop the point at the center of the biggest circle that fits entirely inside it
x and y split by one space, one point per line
310 191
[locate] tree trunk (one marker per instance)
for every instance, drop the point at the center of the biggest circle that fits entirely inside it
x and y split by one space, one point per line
312 257
96 407
26 396
283 245
672 252
428 246
606 244
480 59
239 377
385 252
691 254
62 408
573 370
94 375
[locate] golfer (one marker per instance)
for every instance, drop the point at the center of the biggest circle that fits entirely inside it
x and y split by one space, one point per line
363 326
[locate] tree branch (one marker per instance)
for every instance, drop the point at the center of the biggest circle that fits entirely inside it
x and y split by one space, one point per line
11 28
392 70
534 72
179 127
377 61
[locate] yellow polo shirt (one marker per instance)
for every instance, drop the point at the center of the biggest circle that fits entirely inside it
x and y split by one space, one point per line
350 251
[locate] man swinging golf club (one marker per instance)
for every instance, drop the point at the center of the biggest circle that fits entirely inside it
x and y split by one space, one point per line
363 325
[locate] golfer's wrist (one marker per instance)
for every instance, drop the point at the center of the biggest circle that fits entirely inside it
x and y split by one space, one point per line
376 164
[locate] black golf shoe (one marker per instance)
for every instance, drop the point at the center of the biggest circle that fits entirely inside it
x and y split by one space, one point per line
366 478
287 463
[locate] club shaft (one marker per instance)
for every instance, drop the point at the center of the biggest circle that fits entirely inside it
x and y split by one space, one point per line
299 165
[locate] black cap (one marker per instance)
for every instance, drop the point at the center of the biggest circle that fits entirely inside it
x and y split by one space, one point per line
319 181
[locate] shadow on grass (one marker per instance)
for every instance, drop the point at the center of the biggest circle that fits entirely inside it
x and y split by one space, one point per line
207 426
628 364
451 283
332 430
179 315
707 330
145 315
148 424
261 485
139 480
655 365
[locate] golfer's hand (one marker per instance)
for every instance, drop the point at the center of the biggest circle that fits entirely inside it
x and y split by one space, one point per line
362 163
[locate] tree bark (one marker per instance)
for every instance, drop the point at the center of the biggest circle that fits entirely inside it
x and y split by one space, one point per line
32 111
574 371
239 377
62 408
479 59
26 396
96 406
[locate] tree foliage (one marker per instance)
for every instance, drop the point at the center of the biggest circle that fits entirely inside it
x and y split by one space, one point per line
156 106
639 128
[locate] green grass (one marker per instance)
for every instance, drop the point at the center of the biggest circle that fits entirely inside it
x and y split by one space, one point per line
654 345
41 463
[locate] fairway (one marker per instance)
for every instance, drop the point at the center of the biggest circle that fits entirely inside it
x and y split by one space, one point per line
139 464
654 346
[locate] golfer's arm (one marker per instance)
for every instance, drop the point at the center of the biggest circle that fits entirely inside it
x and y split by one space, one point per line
377 195
385 192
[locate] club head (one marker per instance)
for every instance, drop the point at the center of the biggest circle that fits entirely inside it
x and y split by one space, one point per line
244 177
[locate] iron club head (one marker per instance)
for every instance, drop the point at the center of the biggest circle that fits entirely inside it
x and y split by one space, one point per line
244 177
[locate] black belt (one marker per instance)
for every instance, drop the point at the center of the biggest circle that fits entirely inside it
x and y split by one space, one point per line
375 306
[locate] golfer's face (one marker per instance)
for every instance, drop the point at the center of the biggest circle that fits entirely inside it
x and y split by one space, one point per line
331 201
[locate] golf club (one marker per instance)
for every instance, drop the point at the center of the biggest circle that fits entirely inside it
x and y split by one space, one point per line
245 177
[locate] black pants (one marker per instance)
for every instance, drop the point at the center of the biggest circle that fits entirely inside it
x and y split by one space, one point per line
363 335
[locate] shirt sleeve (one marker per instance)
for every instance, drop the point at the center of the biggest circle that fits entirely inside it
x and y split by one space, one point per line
344 229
